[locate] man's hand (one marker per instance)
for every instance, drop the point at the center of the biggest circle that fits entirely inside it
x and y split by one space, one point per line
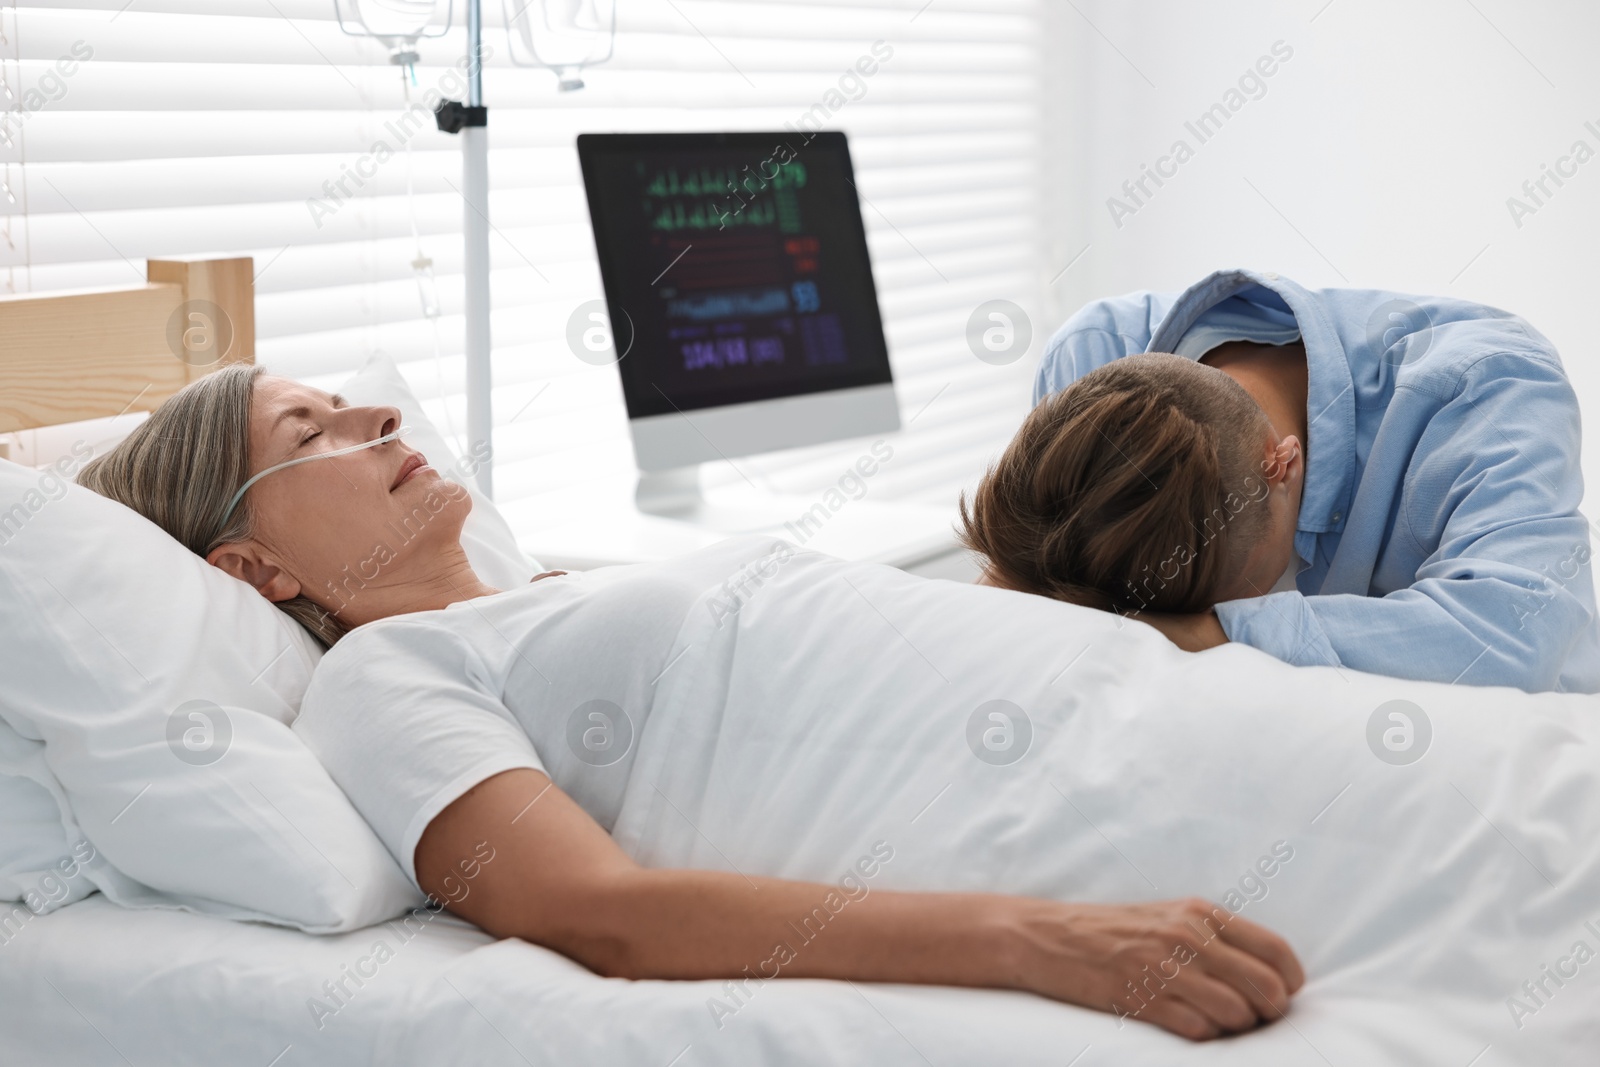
1192 633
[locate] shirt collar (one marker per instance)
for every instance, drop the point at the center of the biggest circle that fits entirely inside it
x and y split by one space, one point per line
1330 393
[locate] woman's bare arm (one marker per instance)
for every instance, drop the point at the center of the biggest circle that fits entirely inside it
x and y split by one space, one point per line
557 879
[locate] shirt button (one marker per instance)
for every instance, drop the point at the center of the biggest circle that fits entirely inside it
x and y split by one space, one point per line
1338 516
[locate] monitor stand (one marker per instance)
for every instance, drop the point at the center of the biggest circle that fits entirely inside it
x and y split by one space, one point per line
676 494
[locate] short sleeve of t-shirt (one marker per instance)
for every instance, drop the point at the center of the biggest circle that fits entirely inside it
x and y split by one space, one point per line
417 726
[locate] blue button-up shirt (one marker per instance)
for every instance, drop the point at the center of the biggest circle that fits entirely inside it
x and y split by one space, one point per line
1439 525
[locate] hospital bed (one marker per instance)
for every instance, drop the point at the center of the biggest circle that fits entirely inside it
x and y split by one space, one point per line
1437 902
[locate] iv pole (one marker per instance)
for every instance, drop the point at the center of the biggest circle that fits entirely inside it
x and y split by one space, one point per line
471 121
475 230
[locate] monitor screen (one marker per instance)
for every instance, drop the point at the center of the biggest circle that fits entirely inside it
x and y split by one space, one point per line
735 267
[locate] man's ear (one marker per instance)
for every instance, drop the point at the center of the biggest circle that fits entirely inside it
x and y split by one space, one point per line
246 563
1284 462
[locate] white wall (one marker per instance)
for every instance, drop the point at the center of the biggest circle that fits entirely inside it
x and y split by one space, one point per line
1382 154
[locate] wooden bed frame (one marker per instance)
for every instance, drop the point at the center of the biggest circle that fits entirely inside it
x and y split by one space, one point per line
97 353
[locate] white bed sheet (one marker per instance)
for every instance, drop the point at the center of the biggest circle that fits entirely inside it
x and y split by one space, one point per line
1420 897
95 984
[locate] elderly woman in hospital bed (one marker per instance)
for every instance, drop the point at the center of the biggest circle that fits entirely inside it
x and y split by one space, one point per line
1338 477
441 709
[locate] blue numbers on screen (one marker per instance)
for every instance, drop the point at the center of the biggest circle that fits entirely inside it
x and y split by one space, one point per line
805 297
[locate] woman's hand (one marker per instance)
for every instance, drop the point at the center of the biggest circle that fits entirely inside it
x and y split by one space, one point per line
1185 965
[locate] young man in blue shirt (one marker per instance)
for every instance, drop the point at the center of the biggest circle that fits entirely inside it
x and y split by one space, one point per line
1338 477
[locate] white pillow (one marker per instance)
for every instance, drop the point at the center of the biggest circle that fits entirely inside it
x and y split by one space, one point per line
38 831
148 697
487 537
42 857
161 689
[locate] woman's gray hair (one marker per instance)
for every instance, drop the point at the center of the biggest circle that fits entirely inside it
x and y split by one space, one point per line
181 466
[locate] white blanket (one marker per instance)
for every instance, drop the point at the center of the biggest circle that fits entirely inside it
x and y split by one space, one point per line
822 713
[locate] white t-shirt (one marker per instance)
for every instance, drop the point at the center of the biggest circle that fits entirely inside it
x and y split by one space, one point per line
410 712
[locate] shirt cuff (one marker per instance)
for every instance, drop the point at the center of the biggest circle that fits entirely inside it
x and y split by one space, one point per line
1281 625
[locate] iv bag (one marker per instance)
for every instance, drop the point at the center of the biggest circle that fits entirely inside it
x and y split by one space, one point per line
390 18
399 24
563 35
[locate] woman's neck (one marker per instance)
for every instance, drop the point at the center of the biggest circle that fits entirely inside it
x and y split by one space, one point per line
443 579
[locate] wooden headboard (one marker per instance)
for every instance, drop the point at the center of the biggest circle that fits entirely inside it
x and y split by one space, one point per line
97 353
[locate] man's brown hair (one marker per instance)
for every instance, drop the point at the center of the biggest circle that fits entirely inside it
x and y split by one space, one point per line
1138 487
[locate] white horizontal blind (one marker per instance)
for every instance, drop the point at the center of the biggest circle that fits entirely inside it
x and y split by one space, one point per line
204 127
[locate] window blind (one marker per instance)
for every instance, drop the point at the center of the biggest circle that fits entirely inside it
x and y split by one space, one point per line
216 127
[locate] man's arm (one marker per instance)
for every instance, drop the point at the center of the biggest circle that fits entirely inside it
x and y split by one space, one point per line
557 879
1504 594
1095 335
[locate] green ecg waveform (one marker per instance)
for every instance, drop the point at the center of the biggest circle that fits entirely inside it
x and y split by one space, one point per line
724 181
712 215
